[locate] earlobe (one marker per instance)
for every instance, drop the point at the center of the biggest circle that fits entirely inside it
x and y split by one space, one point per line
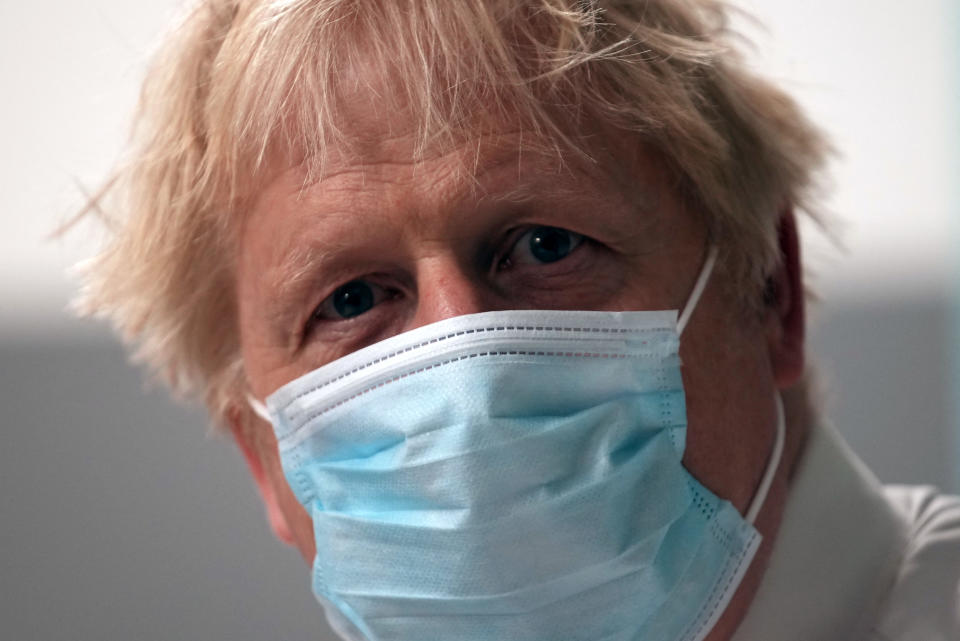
784 298
245 438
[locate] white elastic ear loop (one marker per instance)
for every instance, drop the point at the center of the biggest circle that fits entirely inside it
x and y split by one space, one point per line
698 288
258 408
772 465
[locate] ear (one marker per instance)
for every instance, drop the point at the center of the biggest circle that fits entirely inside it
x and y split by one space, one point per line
246 433
784 300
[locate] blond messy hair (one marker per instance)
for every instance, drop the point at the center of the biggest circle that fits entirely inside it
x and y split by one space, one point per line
239 80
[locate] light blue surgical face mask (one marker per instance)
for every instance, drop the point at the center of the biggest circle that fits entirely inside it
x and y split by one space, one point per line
513 476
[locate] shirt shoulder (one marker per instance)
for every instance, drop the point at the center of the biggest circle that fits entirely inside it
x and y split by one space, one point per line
923 603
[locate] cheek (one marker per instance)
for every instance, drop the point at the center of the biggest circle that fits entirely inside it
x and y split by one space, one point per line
604 291
637 288
729 390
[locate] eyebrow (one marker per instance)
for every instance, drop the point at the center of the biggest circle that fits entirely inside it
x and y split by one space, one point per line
291 279
303 263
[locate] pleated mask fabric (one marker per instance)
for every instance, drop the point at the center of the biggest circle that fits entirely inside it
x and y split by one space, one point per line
510 475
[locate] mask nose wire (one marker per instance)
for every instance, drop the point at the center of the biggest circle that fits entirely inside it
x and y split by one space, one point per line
698 288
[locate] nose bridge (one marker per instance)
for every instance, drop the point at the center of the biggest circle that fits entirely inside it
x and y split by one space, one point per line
445 289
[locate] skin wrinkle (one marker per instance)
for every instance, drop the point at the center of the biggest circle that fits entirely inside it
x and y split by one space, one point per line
301 265
303 268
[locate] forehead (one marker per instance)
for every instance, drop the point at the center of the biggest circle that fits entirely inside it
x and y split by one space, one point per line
376 128
385 170
388 183
372 197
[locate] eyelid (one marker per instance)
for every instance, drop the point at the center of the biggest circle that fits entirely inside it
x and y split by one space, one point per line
380 293
336 328
515 237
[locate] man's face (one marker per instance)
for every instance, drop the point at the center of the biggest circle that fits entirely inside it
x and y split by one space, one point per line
383 244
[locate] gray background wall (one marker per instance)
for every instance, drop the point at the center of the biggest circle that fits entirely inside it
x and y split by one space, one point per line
121 518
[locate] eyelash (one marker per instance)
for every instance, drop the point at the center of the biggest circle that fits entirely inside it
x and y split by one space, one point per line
501 262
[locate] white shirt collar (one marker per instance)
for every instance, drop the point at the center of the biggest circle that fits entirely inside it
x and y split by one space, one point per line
836 555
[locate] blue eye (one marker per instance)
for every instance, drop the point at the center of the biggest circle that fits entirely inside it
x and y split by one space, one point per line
550 244
350 300
543 245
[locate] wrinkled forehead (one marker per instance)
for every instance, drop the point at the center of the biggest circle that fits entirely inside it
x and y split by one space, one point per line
378 133
373 121
313 86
